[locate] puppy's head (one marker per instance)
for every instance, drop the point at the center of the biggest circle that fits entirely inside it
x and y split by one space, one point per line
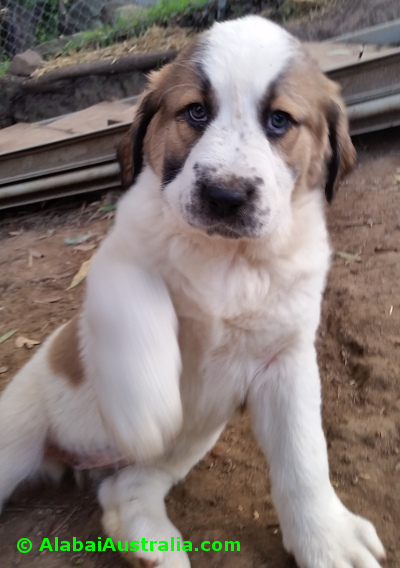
239 126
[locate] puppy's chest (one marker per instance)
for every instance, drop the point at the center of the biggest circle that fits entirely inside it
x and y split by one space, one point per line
233 324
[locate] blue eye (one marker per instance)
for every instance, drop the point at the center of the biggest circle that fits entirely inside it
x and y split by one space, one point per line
278 123
197 115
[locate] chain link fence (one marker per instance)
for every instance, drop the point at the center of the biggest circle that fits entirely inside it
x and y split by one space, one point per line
25 24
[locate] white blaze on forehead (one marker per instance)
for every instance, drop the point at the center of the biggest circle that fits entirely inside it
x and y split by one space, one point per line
246 56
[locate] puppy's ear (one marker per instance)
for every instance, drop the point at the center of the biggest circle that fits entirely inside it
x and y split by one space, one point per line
342 151
130 148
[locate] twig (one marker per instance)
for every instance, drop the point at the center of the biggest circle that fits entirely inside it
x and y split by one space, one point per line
64 521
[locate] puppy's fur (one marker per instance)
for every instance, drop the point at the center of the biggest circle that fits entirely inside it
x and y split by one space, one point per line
205 296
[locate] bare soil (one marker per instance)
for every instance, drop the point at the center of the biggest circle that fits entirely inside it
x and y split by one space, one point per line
227 496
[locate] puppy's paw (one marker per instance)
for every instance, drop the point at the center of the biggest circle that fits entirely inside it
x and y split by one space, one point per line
134 513
341 540
167 560
148 536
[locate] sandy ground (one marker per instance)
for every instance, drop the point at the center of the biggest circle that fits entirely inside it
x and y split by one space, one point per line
227 496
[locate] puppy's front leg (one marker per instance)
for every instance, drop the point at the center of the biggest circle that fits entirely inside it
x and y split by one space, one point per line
316 527
130 348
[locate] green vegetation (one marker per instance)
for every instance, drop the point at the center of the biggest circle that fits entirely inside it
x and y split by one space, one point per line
169 8
159 13
4 66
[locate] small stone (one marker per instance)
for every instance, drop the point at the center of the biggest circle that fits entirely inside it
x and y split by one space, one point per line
256 515
3 370
25 64
218 450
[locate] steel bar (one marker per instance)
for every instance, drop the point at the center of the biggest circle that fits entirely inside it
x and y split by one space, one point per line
76 151
383 34
61 180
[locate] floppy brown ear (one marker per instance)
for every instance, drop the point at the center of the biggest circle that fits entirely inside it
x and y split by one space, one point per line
130 148
343 154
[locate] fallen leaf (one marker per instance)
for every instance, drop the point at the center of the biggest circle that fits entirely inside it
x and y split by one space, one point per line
3 370
256 515
7 335
22 341
348 256
14 233
35 253
365 476
107 208
335 484
81 274
48 234
78 240
85 248
53 277
48 300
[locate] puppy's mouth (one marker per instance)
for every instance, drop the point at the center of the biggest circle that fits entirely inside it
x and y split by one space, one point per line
246 227
223 231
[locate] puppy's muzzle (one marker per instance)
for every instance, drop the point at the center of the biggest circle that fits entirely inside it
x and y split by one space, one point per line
222 202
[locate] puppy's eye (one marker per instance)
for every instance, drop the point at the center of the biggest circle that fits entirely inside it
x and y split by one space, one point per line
197 115
278 123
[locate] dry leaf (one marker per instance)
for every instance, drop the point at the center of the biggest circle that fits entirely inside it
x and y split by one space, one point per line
35 253
48 300
3 370
22 341
85 248
48 234
81 274
78 240
349 256
365 476
7 335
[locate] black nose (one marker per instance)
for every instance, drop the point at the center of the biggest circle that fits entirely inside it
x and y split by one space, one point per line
223 202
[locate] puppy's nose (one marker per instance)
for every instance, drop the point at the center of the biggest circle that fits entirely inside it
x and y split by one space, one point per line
223 202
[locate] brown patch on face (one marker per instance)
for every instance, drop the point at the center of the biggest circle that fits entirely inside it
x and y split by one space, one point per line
64 354
319 136
170 137
160 135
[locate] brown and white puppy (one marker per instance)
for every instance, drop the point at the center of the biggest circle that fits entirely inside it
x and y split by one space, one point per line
205 296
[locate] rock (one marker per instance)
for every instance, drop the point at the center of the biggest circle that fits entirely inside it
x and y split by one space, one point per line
25 63
118 13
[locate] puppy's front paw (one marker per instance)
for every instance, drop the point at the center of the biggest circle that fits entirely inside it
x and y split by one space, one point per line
340 540
134 513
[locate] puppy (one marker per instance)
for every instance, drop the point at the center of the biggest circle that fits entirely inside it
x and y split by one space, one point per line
205 296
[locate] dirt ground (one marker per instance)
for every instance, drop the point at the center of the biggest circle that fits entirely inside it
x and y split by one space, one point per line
227 496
